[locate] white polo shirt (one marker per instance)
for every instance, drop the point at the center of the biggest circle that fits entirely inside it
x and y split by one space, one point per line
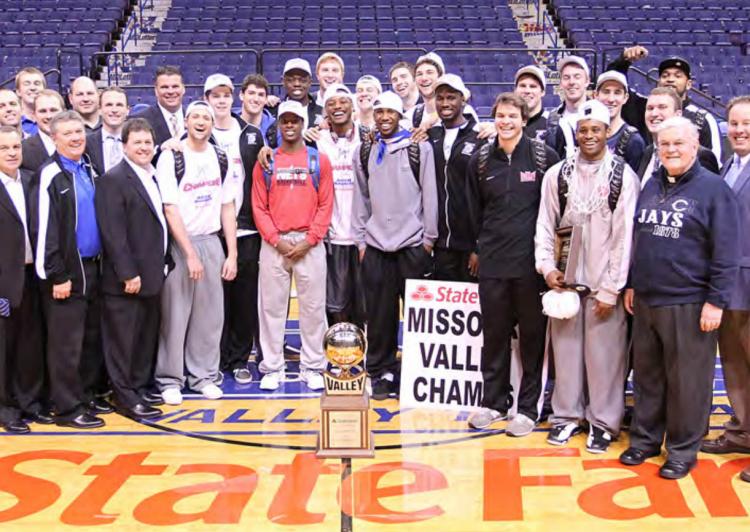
200 194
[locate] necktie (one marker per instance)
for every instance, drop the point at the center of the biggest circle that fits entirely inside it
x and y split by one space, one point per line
114 155
733 173
173 125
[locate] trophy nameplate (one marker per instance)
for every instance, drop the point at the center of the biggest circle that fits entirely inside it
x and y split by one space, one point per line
568 242
345 405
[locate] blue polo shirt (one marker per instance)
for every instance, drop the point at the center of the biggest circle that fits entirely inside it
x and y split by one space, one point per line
87 230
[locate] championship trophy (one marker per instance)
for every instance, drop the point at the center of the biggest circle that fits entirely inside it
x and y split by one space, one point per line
344 405
567 253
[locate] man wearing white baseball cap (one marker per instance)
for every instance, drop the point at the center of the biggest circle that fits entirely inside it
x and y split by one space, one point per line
395 227
292 206
368 88
530 84
590 349
561 122
623 140
198 202
297 80
454 140
344 297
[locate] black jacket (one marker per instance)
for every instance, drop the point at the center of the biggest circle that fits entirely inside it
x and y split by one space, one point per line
34 153
454 229
95 150
54 219
132 236
536 127
251 141
503 208
13 249
706 158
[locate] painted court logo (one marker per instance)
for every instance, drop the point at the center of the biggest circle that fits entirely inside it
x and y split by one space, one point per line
422 293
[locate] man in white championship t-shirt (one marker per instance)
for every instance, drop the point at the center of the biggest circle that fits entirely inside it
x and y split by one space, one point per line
344 297
198 202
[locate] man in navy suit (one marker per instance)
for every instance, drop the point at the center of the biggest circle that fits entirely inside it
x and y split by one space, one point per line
134 235
167 117
21 356
734 333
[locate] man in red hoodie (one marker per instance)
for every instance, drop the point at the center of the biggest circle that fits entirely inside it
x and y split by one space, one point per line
292 207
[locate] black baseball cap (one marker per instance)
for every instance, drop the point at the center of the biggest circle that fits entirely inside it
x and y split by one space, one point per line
675 62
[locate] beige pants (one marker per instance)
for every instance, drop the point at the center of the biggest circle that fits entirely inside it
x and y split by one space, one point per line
275 280
734 346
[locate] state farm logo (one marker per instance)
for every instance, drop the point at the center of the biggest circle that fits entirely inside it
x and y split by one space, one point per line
422 293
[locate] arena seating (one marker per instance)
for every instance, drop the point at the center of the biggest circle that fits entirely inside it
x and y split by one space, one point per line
712 36
31 32
290 24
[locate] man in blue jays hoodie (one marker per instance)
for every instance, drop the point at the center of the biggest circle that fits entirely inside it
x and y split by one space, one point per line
684 266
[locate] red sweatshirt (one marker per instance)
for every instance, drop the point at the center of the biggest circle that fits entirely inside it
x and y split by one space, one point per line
292 203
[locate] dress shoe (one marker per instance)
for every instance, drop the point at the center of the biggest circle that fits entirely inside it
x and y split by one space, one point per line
141 411
152 398
17 426
633 457
99 406
43 417
82 421
745 474
675 469
722 445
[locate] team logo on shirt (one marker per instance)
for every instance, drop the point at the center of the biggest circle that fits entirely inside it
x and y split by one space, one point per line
468 148
528 177
252 138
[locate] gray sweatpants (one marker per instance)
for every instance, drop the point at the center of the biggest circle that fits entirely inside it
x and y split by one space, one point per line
192 316
590 356
275 279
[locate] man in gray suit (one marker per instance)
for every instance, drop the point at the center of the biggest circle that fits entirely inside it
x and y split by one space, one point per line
734 333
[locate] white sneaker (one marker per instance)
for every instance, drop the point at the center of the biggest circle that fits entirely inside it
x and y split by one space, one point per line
520 425
272 381
172 396
312 378
211 391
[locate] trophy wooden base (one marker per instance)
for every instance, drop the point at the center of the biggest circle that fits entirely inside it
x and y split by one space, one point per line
345 453
345 429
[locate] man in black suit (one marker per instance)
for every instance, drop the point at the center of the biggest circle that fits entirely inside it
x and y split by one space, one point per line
663 103
104 145
134 236
167 117
39 147
68 253
21 357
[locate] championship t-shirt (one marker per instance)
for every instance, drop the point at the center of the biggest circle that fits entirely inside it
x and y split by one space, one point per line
200 194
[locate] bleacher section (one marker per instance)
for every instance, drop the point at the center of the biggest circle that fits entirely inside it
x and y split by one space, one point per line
337 25
31 32
713 38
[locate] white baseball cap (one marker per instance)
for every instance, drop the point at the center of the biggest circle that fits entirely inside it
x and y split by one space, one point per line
612 75
294 107
532 70
199 104
372 80
593 110
217 80
573 60
433 58
389 100
454 82
297 64
337 89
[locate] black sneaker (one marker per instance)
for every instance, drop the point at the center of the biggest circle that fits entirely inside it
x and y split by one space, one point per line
598 440
383 389
560 434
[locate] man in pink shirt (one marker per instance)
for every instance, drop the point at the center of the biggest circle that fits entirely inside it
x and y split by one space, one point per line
292 207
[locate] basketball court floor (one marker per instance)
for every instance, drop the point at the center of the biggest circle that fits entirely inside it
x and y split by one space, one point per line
247 462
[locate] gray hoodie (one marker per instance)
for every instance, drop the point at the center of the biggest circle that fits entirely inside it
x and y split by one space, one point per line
391 211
